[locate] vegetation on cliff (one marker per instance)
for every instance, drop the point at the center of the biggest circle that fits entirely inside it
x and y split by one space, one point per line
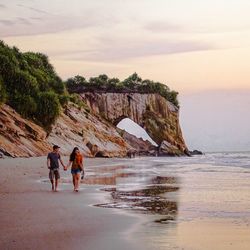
133 83
29 84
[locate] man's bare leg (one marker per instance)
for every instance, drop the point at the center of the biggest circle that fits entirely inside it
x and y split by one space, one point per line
52 185
56 184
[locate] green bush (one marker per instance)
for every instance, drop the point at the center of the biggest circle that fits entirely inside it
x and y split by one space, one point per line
76 82
3 95
64 99
23 83
48 108
30 85
25 105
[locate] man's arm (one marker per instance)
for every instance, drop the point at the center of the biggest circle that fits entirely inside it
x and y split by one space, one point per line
48 163
62 162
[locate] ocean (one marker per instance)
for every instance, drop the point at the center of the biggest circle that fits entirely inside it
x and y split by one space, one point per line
181 198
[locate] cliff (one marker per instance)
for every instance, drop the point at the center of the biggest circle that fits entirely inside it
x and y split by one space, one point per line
74 127
94 130
155 114
20 137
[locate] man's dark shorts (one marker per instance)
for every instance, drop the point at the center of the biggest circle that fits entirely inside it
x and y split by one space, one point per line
54 174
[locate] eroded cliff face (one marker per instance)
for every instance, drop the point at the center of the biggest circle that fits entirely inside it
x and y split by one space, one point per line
90 133
20 137
154 113
74 127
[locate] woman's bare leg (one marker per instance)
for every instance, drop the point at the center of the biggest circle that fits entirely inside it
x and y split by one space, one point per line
74 181
78 177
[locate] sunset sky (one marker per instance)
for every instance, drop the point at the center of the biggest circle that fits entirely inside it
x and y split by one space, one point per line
199 48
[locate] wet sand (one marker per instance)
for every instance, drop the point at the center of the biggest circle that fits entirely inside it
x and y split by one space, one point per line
120 207
33 217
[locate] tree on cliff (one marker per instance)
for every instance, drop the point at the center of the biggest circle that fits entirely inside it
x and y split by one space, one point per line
48 107
3 95
76 81
27 82
133 83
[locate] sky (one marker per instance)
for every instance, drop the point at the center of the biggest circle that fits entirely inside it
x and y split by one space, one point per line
200 48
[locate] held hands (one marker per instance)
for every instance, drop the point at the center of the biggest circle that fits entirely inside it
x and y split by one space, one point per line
65 167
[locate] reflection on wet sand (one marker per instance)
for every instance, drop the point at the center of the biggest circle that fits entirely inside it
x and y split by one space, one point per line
149 196
147 200
106 180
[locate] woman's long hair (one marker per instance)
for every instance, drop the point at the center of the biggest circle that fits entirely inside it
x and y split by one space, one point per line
73 154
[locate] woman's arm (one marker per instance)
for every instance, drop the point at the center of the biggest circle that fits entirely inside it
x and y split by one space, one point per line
69 164
81 162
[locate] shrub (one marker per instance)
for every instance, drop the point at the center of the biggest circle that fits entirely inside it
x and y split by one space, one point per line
48 108
30 85
64 99
3 95
25 105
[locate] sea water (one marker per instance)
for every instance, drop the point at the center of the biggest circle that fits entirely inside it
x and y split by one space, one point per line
182 197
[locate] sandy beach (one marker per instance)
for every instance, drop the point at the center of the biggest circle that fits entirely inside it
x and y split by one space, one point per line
118 208
33 217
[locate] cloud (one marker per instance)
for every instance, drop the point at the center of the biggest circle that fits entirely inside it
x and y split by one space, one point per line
33 9
2 6
38 10
168 27
18 20
7 22
161 26
45 23
23 21
121 51
36 18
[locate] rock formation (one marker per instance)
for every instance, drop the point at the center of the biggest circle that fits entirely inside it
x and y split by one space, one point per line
138 145
93 135
20 137
74 127
154 113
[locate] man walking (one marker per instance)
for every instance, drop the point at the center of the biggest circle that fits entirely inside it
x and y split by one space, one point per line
53 165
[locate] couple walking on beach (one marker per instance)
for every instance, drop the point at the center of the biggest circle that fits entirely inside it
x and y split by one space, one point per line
75 161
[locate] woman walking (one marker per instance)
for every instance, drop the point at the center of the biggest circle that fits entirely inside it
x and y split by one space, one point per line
76 162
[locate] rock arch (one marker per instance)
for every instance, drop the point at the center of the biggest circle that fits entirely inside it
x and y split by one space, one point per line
154 113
